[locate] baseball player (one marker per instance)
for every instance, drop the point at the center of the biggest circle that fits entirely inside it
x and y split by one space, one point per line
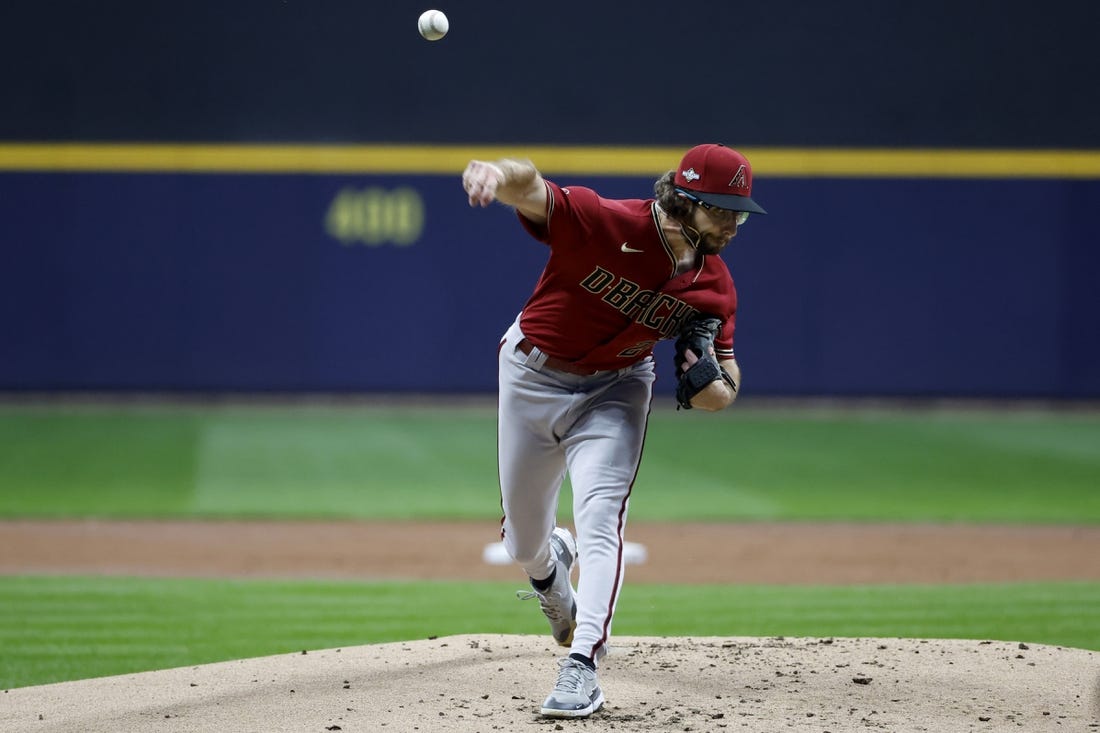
576 372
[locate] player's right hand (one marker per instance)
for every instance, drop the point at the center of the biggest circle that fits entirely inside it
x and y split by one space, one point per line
480 180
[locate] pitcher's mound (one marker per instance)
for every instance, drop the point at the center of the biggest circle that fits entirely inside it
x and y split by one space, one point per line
496 683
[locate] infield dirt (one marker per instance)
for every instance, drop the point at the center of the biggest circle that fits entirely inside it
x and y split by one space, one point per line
799 553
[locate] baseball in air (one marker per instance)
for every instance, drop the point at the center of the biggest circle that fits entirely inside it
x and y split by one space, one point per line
433 24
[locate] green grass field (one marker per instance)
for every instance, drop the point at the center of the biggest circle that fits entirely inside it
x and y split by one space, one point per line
400 462
59 628
423 463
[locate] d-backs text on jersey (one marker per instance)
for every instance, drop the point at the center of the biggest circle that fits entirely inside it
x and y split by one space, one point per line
659 311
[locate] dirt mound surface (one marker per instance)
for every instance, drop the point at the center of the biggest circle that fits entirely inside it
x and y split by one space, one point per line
496 683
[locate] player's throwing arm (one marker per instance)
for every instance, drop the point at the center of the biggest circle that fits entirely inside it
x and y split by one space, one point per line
516 183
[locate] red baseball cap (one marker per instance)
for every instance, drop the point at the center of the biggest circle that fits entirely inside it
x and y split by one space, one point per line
718 176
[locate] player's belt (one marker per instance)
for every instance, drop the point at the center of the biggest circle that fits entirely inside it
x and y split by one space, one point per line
555 363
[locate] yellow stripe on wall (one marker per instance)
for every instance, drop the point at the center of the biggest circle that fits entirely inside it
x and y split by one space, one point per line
555 160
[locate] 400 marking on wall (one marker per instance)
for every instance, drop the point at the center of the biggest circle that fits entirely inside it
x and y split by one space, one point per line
376 216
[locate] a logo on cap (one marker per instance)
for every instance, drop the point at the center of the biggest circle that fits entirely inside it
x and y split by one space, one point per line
738 180
690 175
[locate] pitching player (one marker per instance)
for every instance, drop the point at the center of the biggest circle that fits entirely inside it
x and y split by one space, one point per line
576 372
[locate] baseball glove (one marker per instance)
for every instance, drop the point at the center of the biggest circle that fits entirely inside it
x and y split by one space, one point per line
697 336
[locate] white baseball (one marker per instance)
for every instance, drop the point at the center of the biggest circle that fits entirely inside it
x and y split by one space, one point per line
433 24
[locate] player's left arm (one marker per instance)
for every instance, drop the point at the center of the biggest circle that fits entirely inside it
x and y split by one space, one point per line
719 394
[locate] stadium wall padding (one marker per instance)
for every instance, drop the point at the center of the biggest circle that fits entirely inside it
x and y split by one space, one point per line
392 283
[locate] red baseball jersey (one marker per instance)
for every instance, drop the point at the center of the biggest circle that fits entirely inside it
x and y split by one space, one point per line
609 291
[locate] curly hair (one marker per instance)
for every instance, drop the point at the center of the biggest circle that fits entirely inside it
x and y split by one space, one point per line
676 206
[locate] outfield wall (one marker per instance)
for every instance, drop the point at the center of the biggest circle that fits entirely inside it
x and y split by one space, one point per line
850 286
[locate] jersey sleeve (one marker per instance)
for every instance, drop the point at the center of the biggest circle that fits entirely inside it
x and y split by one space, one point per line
570 213
723 344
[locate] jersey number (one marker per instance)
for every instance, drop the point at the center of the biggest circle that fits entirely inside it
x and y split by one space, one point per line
636 349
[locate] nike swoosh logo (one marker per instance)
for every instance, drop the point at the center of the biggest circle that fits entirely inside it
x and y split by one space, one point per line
626 248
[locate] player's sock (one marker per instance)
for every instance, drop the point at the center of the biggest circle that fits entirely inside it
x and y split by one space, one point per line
586 661
544 584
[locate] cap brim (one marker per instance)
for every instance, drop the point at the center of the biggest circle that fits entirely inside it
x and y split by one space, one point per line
730 201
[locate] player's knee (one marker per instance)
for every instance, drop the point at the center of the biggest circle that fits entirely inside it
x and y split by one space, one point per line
524 554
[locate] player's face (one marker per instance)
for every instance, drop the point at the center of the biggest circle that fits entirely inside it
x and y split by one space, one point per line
716 228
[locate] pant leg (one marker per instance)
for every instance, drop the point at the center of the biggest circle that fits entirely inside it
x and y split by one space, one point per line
530 458
604 450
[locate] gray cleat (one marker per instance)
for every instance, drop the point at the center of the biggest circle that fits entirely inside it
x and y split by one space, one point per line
557 603
577 693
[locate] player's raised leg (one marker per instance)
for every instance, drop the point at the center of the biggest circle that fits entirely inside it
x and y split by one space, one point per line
532 467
